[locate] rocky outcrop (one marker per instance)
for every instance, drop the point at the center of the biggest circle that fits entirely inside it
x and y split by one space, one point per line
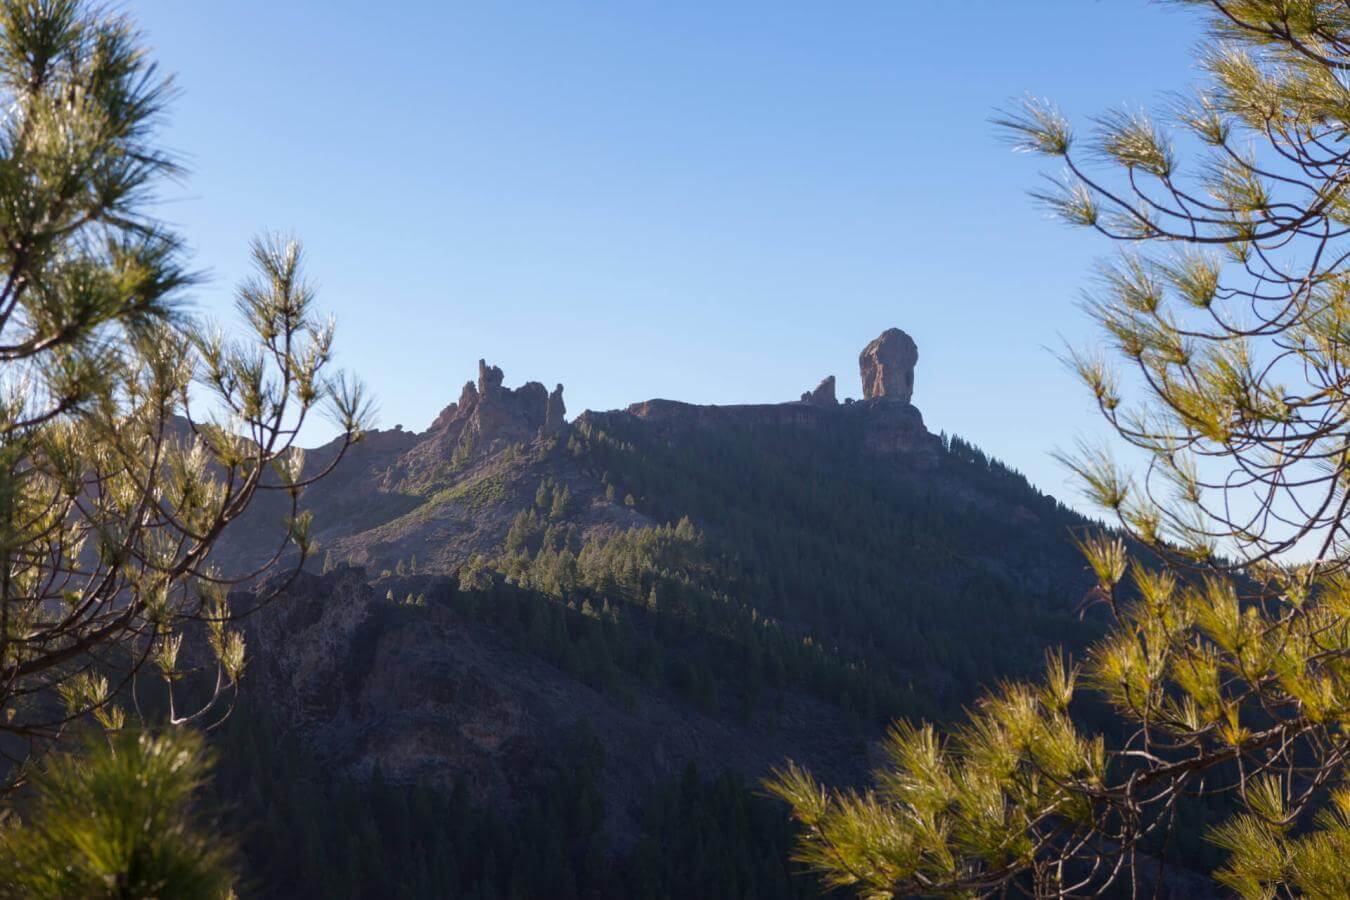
554 412
489 379
887 366
823 395
882 427
468 399
895 429
885 422
490 414
378 509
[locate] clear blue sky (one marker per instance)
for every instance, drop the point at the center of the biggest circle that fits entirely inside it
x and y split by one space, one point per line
708 201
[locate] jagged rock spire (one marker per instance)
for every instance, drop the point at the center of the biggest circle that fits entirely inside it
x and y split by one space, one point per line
489 378
489 412
554 412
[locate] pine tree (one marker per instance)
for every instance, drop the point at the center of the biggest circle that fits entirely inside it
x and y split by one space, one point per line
1226 662
115 478
117 820
562 498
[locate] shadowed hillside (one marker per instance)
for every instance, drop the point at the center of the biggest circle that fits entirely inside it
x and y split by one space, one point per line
693 588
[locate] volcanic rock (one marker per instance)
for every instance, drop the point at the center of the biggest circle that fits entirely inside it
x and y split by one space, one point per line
554 412
488 414
489 379
823 395
887 366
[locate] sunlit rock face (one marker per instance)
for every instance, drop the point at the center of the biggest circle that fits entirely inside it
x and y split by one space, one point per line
887 366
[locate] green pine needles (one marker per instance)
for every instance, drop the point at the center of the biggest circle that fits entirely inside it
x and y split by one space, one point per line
131 436
1225 370
116 821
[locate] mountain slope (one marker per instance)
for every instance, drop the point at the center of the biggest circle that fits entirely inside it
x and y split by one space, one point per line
725 587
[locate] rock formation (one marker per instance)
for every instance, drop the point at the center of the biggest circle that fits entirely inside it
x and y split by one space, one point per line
887 367
489 379
469 445
888 424
488 413
554 412
823 395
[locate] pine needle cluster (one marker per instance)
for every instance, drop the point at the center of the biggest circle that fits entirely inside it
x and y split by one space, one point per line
118 820
132 433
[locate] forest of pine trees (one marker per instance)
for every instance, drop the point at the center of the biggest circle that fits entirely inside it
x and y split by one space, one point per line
307 836
725 606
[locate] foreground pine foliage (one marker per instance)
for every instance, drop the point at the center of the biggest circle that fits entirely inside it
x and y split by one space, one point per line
131 434
117 821
1227 587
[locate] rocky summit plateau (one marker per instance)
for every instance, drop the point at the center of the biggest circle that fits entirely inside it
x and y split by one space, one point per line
446 493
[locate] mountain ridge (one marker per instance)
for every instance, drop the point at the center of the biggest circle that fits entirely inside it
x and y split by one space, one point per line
723 587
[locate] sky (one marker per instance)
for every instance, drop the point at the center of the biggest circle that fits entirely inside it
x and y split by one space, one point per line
705 201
